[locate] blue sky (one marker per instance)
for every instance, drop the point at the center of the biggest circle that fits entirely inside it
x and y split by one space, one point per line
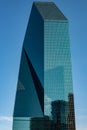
14 16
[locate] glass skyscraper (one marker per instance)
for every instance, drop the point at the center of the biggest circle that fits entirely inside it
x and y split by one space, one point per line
44 97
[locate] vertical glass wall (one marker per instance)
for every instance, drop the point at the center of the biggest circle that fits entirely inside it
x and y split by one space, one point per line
58 87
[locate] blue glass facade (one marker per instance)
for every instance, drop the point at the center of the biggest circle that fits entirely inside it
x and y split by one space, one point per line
44 97
57 64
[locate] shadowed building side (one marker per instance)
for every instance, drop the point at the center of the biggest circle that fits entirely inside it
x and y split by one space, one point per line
29 100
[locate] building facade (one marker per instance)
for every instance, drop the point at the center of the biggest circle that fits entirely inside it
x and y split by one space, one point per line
44 97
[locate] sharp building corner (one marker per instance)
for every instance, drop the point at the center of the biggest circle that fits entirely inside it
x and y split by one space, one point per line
44 97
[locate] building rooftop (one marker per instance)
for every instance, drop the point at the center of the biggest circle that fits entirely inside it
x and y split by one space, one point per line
49 10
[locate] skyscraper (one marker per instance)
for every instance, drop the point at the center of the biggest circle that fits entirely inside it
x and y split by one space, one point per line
44 97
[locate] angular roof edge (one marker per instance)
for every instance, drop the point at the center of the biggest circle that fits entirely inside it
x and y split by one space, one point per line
48 10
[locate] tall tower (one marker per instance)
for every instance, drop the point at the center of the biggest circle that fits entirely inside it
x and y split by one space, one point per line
44 97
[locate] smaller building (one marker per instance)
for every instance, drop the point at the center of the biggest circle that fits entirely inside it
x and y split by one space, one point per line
60 114
39 123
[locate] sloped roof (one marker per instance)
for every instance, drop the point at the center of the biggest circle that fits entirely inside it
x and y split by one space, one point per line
49 10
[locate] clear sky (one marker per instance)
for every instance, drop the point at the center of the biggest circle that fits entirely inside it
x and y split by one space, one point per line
14 15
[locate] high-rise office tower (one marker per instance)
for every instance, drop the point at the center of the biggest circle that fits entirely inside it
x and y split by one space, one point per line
44 97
